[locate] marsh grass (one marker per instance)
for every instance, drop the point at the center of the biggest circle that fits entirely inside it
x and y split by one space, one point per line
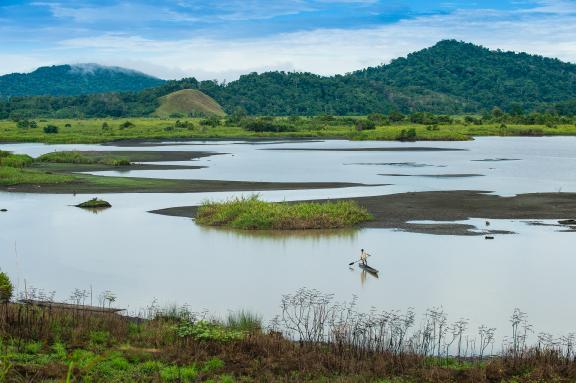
251 213
244 320
336 344
14 176
91 131
79 158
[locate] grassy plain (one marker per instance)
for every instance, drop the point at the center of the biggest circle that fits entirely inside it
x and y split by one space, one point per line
108 130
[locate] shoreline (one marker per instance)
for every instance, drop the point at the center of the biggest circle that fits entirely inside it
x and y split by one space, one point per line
397 211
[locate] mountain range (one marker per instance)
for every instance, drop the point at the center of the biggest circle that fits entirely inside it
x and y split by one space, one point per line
72 80
450 77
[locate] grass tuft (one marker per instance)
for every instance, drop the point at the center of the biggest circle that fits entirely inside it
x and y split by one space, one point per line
254 214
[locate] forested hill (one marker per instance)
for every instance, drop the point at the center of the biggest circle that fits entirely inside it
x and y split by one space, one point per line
449 78
480 76
70 80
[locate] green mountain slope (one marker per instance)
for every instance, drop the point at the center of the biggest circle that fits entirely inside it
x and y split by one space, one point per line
188 102
449 78
480 76
70 80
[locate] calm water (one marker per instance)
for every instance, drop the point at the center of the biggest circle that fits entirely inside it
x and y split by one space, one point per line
141 256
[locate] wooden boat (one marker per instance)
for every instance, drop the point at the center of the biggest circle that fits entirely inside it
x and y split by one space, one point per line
368 269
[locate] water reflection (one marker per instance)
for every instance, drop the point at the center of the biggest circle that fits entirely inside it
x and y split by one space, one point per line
282 236
364 275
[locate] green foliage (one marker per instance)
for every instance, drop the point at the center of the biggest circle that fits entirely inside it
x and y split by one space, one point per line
99 338
79 158
267 125
449 78
13 176
204 330
367 124
254 214
212 121
244 321
65 157
407 135
26 124
51 129
33 347
15 160
127 125
212 365
6 287
67 80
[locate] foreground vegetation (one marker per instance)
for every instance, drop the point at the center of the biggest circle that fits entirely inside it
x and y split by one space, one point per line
393 126
254 214
314 339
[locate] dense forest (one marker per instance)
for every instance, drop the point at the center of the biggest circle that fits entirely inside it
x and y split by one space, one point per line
449 78
72 80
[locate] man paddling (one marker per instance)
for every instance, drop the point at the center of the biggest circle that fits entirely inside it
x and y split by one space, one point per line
364 257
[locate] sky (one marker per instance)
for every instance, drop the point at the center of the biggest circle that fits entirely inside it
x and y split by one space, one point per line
222 39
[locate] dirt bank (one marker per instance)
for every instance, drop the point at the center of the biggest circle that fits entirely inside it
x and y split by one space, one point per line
396 211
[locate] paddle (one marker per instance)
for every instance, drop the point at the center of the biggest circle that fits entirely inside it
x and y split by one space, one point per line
351 263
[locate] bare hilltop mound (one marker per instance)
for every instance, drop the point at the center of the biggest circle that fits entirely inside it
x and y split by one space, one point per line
188 102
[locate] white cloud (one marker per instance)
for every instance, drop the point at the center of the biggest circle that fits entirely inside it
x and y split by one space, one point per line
325 51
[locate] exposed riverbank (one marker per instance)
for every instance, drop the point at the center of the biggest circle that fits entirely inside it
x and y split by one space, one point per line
399 211
59 173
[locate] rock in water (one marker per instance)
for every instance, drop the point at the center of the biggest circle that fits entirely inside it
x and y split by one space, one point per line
95 203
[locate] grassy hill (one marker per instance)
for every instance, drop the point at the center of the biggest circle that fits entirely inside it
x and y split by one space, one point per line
188 102
71 80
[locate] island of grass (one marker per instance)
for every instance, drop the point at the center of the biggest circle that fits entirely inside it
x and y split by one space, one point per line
95 203
254 214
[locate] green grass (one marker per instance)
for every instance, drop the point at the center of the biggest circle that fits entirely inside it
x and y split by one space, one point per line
244 321
92 131
10 176
254 214
188 101
79 158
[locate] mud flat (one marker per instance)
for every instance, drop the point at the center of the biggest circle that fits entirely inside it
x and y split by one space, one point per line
399 211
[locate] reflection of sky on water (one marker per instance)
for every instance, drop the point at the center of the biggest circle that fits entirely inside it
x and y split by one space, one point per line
542 164
141 256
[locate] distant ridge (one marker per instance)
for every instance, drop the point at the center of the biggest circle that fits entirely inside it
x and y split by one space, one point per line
451 77
72 80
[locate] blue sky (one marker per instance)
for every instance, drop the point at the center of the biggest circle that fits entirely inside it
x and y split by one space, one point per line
222 39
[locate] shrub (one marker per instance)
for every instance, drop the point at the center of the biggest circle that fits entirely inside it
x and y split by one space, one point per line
6 288
127 125
365 125
378 118
16 160
51 129
33 347
267 125
407 135
244 321
213 365
203 330
211 121
23 124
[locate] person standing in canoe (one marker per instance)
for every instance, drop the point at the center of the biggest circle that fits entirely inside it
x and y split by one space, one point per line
364 257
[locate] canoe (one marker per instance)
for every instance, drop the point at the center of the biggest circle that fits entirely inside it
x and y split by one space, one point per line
368 269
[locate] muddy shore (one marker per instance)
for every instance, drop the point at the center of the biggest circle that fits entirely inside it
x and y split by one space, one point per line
396 211
89 184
